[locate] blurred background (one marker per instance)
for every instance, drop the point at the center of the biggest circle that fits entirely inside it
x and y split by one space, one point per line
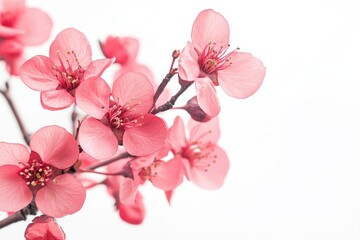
293 146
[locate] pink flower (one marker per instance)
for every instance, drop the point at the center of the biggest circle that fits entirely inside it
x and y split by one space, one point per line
58 76
204 162
134 212
39 174
119 117
44 227
20 26
205 61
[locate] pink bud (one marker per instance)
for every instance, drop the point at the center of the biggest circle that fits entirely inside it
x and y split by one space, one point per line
44 227
196 113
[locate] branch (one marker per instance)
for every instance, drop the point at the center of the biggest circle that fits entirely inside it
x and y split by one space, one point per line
21 215
7 97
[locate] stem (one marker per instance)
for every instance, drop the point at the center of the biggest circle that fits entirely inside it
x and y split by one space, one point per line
74 116
7 97
111 160
119 173
21 215
169 104
166 80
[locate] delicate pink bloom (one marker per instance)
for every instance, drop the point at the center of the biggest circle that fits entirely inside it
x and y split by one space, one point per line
39 174
125 49
20 26
205 61
134 212
44 227
119 117
204 162
58 76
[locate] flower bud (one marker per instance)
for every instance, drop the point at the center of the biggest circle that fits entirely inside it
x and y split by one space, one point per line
196 113
44 227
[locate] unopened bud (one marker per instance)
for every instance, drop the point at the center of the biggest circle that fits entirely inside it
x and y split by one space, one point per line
176 54
196 113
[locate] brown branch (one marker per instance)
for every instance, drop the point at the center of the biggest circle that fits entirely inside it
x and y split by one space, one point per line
21 215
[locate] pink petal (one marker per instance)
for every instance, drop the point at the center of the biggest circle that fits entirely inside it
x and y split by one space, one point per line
36 24
56 99
62 196
204 132
210 27
213 176
128 189
136 67
134 88
13 6
36 73
189 69
169 194
167 175
176 135
7 32
97 67
206 95
55 146
93 97
97 139
147 138
244 77
133 213
13 153
67 43
14 193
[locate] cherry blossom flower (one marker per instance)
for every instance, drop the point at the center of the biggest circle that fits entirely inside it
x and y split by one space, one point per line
20 26
44 227
39 174
204 162
58 76
134 212
205 61
119 117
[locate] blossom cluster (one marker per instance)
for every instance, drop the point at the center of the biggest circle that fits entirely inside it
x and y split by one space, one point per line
121 129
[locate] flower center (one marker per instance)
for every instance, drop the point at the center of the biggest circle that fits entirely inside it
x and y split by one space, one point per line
213 59
36 173
68 77
125 116
200 156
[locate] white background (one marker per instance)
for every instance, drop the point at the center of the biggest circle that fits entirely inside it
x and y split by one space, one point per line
293 146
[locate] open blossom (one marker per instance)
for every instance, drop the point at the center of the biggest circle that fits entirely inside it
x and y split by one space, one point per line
39 174
58 76
119 117
20 26
44 227
204 162
205 60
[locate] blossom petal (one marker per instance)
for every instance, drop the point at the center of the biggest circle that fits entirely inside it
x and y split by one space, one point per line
134 89
6 32
62 196
189 69
97 67
14 193
93 97
147 138
128 189
37 25
13 153
244 77
56 99
97 139
55 146
36 73
210 172
210 27
67 43
133 213
167 175
204 132
176 135
124 49
44 227
206 95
